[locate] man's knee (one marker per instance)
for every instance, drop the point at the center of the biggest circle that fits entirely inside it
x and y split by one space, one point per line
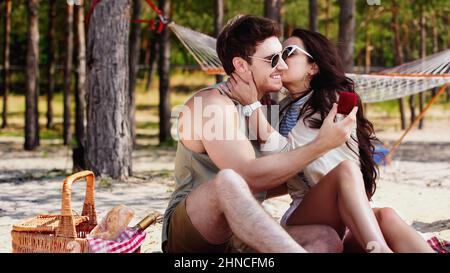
316 238
227 180
328 240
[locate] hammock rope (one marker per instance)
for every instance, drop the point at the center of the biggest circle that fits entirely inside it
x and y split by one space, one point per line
401 81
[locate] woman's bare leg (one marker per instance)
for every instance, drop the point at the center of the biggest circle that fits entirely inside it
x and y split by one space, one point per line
339 200
399 235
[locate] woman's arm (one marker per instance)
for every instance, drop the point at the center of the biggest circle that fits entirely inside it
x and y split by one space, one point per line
243 89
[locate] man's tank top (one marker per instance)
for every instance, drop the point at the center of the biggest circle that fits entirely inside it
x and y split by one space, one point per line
193 169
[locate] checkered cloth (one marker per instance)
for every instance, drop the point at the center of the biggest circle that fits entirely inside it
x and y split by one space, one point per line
439 245
127 242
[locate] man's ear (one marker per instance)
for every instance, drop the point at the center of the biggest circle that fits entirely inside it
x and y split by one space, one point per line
240 65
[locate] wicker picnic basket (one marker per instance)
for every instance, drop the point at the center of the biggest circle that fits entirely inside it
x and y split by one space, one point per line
59 233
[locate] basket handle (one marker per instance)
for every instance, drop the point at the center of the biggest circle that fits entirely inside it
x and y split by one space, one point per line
66 226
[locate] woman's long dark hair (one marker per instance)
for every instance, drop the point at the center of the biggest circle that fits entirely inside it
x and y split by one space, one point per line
327 83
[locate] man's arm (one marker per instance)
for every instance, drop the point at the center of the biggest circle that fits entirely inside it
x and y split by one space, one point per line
269 171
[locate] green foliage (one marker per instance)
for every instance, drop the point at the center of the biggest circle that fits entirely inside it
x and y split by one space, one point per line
372 21
199 15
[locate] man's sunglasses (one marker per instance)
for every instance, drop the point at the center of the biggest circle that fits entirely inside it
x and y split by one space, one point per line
286 53
274 60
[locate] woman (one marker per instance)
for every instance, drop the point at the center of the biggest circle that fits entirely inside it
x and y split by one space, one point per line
322 195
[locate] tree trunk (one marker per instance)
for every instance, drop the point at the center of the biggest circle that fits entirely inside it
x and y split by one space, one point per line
218 23
145 47
32 78
447 22
153 58
51 62
423 54
108 146
435 27
412 108
328 7
406 44
78 153
6 73
401 104
448 94
346 33
367 55
272 10
368 49
396 29
313 22
135 42
164 70
146 42
68 66
398 59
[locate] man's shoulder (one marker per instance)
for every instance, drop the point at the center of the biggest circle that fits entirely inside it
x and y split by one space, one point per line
210 96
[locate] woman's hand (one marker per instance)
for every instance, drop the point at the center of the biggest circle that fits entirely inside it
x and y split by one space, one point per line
242 89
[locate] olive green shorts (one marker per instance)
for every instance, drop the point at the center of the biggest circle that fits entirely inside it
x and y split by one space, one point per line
183 237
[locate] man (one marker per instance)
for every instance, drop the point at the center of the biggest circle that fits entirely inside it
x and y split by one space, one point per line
217 172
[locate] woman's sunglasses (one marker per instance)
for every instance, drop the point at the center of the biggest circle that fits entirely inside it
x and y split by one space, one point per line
289 50
286 53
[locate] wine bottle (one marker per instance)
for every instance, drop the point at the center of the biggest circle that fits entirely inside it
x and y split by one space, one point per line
147 221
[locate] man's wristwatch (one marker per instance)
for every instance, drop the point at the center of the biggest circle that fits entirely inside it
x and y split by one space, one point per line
247 110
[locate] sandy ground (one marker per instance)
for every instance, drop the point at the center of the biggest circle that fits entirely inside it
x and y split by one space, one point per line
416 184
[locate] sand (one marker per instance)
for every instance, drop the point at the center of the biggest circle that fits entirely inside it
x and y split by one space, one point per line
416 184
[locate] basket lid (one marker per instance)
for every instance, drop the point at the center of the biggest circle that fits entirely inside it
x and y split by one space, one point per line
45 223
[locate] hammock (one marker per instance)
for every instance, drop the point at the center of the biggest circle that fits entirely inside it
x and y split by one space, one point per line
404 80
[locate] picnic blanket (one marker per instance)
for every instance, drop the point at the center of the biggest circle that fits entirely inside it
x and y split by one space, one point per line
127 242
439 245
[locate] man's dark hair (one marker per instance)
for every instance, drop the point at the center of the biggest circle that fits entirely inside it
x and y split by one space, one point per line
240 37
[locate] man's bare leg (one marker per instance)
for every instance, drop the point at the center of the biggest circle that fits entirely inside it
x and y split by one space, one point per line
316 238
225 206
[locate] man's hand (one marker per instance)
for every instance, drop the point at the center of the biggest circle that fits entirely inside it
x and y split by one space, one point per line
334 134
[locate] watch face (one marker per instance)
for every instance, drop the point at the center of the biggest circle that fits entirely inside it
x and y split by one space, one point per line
246 111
